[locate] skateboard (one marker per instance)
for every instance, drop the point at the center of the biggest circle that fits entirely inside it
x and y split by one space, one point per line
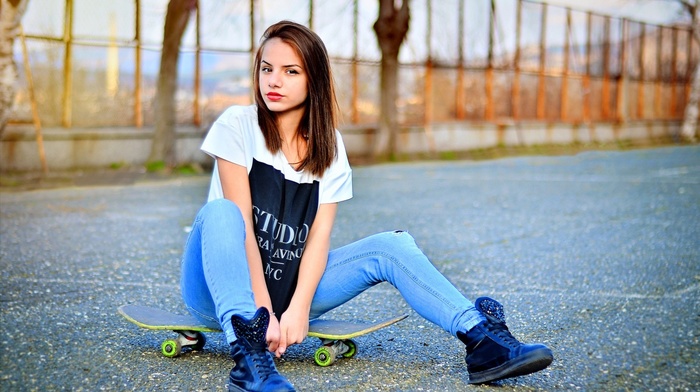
336 335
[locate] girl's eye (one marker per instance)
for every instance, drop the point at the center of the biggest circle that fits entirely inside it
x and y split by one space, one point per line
292 72
265 69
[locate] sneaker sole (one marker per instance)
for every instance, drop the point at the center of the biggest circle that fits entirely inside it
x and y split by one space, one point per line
235 388
530 363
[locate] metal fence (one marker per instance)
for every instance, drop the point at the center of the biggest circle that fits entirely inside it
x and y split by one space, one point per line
483 60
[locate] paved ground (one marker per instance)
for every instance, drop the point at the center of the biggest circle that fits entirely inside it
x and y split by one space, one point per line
596 255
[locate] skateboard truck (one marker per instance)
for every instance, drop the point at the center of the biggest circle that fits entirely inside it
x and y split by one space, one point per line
173 347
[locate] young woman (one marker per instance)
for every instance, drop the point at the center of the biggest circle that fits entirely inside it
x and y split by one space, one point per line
258 262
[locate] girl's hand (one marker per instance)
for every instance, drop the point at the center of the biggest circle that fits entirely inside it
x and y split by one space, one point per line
273 333
293 327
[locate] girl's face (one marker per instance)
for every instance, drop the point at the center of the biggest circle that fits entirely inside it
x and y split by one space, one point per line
283 81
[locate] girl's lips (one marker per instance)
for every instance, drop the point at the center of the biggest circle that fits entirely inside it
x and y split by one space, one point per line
274 96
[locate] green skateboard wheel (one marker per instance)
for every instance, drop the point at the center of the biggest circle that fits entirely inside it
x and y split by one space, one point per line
324 356
170 348
352 348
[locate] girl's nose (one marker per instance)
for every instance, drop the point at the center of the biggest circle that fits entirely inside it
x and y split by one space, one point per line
273 80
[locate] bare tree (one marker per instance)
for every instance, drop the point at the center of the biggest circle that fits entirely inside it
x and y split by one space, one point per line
164 137
689 129
11 12
391 28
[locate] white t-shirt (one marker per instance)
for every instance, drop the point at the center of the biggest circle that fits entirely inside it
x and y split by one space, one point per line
285 201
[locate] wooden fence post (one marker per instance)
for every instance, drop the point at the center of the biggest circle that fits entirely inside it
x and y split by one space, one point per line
197 118
657 82
606 70
459 94
428 87
541 86
67 118
355 52
587 76
311 14
640 83
515 92
252 44
489 65
32 99
621 101
564 112
689 65
138 107
674 64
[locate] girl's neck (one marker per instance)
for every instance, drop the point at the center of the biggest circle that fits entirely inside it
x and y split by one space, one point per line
293 144
288 124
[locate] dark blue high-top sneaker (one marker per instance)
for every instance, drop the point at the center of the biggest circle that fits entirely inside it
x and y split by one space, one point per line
494 354
255 369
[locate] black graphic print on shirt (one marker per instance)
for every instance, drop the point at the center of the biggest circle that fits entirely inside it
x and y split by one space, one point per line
283 212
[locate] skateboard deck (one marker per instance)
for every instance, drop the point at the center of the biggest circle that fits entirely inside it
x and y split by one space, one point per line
336 335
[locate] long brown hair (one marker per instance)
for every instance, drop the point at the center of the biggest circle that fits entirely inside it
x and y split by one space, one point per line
320 117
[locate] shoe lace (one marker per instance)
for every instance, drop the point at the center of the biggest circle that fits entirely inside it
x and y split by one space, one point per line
263 363
501 330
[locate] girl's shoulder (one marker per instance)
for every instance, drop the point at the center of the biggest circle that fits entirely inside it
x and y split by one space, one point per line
238 114
235 129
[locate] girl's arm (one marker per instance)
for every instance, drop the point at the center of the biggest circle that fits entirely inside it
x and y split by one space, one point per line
234 182
294 323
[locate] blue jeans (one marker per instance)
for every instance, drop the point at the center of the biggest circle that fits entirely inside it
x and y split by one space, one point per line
215 279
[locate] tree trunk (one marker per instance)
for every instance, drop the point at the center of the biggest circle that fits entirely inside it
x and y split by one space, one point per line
386 143
164 137
689 129
11 12
391 28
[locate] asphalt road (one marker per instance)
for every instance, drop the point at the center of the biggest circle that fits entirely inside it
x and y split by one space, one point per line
596 255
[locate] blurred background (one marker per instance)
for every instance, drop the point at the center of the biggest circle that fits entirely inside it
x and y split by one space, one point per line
95 63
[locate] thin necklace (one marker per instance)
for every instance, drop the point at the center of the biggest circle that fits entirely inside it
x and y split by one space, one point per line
293 164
